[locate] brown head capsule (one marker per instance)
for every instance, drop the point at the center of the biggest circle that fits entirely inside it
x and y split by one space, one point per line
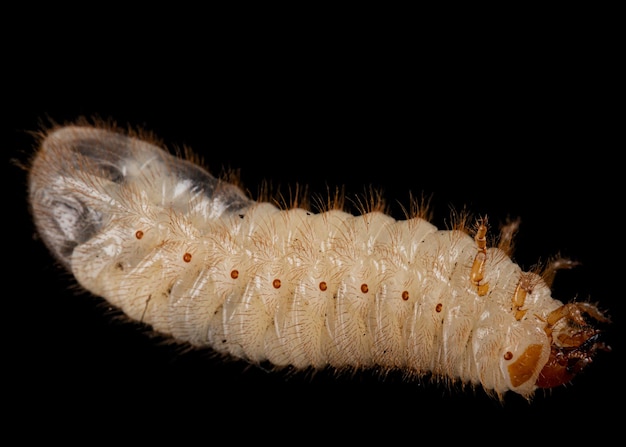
574 343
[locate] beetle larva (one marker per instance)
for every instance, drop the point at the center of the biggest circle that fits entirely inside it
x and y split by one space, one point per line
193 257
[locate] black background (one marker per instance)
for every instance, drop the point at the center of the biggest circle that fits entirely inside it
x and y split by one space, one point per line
503 131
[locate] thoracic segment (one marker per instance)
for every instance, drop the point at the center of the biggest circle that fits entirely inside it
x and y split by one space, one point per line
193 257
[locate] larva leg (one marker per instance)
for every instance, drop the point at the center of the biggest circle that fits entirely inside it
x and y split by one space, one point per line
524 287
554 265
507 233
478 267
574 342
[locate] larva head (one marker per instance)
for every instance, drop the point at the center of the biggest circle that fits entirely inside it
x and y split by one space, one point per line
574 343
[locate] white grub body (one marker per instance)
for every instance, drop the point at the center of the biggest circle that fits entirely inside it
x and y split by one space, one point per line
194 258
